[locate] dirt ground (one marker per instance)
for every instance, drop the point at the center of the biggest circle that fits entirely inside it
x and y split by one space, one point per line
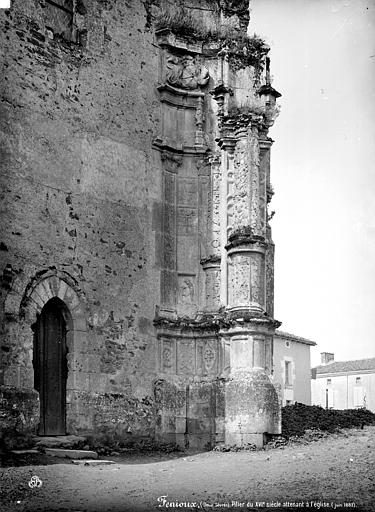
330 474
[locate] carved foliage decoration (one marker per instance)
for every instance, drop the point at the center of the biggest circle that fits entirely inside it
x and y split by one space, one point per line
213 278
209 357
255 213
186 72
169 221
241 185
262 200
205 215
215 205
239 280
257 278
229 194
169 263
270 279
245 279
186 357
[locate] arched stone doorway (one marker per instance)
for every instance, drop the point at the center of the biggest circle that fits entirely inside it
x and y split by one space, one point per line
54 307
50 365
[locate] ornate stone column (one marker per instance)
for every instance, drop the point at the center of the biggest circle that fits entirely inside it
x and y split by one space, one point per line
212 263
252 406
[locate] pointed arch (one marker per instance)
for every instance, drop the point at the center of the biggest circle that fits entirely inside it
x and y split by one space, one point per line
59 288
48 285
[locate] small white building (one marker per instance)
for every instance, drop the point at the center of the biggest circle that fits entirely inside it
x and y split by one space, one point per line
291 367
344 384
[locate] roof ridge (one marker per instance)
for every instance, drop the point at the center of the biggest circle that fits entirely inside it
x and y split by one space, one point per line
294 337
351 365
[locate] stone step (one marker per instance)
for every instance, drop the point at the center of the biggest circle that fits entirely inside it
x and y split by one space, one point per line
68 442
32 451
70 454
84 462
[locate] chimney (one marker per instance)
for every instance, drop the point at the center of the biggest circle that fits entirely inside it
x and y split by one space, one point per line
326 357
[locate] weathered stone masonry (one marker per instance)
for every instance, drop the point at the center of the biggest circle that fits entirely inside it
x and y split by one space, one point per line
135 184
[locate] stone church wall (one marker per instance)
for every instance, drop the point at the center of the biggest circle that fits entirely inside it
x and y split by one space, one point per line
81 196
135 187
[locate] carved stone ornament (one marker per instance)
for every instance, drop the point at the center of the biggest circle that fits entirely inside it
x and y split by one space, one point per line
167 357
209 356
186 72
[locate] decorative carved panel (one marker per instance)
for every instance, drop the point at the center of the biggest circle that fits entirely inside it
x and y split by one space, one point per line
169 215
257 278
215 202
168 356
270 279
186 72
230 193
262 200
186 290
255 199
168 276
241 178
209 357
187 191
213 280
246 279
185 357
239 280
204 223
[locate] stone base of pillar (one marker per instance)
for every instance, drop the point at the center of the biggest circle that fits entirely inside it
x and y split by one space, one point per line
251 408
243 439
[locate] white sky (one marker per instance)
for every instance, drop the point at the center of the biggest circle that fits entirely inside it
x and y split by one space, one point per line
323 169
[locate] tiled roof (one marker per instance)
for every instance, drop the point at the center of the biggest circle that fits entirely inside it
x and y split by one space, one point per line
292 337
347 366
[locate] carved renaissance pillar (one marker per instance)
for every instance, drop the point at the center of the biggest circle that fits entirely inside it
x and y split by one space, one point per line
212 263
252 406
215 323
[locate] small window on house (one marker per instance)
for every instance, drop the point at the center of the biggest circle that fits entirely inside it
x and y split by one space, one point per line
288 376
358 380
329 382
59 17
287 344
288 402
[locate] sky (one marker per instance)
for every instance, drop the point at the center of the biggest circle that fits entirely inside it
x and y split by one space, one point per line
323 170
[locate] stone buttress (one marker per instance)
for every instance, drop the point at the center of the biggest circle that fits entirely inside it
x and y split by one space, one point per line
215 321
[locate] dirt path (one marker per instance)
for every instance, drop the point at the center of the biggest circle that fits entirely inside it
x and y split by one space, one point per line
331 474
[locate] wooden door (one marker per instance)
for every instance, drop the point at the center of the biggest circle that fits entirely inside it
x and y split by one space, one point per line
50 368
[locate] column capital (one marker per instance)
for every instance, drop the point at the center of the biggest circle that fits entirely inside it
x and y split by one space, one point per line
243 239
212 261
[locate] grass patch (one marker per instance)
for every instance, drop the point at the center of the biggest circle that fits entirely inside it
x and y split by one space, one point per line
184 24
